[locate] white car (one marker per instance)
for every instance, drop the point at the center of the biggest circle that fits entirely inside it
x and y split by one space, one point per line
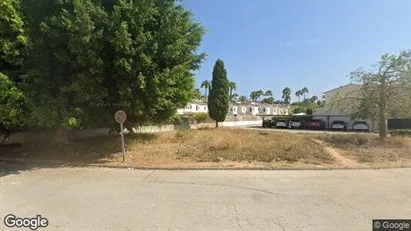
360 126
338 125
281 124
295 124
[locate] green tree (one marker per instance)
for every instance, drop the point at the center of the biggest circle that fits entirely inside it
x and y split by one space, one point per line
319 103
243 99
385 91
13 41
254 96
219 98
90 60
298 94
12 105
197 94
232 86
234 97
304 91
206 85
286 95
268 100
268 93
313 99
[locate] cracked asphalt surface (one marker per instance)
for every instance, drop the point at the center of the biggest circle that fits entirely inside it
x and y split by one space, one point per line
121 199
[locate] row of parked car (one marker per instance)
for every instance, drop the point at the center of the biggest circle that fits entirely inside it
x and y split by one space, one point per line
317 125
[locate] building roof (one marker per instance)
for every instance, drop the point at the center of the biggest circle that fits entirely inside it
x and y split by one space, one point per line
341 87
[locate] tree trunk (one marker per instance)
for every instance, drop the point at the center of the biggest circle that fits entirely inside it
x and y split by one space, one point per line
382 123
216 124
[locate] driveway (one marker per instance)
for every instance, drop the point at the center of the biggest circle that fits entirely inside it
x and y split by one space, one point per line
121 199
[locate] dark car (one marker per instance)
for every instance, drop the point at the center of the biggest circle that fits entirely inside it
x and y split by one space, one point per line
267 123
316 125
361 126
339 126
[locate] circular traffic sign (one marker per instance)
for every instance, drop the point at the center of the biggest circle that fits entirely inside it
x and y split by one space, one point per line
120 117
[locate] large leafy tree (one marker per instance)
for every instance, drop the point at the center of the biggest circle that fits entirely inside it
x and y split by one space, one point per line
219 98
90 59
385 91
13 41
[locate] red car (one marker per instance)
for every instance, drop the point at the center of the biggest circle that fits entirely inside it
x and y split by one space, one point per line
316 125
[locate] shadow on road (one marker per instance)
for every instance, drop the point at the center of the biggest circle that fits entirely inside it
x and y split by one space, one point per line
98 150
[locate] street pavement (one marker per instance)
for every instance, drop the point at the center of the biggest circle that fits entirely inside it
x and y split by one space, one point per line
125 199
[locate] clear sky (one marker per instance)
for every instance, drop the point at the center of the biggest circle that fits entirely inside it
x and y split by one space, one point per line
270 44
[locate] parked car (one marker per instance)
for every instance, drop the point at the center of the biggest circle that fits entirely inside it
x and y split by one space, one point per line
360 126
339 125
316 125
267 123
295 124
281 124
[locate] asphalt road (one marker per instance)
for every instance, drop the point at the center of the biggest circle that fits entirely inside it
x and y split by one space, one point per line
121 199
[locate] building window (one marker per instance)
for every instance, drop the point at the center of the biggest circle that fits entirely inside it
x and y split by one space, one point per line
263 109
205 108
251 109
196 108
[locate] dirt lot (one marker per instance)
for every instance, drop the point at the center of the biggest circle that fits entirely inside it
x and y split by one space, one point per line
369 150
225 147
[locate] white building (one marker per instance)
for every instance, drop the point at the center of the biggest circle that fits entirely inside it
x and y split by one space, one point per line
238 109
193 107
330 113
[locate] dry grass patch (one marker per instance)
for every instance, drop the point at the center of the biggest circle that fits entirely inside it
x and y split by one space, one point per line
223 146
368 148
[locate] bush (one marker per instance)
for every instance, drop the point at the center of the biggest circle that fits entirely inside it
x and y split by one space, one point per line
200 117
401 132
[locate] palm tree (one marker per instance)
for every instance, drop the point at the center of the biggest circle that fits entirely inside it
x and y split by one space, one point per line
243 99
232 86
287 95
304 91
314 99
298 94
254 96
205 84
234 97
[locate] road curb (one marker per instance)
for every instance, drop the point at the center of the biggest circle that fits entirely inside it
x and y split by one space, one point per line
131 167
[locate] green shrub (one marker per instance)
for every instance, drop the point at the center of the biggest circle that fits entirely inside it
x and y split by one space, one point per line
200 117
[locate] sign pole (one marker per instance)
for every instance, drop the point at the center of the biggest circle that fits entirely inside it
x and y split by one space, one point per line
122 142
120 118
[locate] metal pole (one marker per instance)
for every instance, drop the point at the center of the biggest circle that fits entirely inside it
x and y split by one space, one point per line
122 142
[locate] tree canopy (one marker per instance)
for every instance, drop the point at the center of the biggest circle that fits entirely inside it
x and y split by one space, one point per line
85 59
385 91
219 98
